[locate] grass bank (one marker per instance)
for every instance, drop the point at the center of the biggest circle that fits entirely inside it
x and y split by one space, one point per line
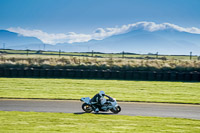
146 91
110 62
61 122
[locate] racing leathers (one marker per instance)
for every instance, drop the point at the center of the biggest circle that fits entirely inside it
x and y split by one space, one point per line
96 102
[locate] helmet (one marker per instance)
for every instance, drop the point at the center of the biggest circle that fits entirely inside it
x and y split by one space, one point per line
101 93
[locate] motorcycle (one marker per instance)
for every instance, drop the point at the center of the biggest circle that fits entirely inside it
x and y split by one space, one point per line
106 105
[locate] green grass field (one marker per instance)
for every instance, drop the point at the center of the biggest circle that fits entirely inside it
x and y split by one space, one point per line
23 122
146 91
104 55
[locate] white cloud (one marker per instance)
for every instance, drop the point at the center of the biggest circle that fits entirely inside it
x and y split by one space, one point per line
43 36
100 33
73 37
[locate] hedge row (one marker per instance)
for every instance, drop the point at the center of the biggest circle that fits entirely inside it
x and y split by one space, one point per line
101 74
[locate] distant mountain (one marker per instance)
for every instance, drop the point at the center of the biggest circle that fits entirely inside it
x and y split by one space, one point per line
167 41
141 41
15 41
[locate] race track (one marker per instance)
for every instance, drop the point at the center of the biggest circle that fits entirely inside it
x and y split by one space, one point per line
131 108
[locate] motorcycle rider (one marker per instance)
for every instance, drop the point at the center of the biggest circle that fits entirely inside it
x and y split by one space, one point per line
96 101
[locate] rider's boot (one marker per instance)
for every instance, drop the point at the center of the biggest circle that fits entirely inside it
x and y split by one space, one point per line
96 110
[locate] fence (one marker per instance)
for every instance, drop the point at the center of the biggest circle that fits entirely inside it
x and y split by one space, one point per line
101 74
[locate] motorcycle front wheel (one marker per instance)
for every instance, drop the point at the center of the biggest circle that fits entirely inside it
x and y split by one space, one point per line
87 108
118 109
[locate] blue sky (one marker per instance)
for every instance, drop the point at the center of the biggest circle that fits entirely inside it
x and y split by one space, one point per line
84 16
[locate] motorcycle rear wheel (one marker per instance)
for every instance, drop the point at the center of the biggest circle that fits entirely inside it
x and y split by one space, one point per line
87 108
118 109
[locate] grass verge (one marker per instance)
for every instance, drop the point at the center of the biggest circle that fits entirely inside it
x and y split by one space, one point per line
111 62
146 91
61 122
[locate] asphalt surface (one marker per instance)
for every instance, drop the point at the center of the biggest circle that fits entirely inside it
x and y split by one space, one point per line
128 108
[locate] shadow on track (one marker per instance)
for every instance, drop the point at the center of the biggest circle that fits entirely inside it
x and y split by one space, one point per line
80 113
